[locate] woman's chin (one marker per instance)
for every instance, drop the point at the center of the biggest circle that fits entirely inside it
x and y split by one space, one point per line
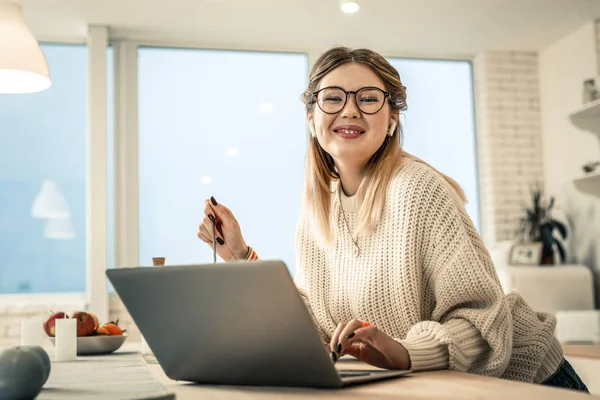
347 154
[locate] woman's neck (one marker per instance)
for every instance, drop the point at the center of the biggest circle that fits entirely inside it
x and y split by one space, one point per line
350 176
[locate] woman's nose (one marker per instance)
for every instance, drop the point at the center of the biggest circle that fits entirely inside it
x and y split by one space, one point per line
350 110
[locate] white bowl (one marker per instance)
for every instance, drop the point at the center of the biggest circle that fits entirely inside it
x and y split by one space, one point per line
100 344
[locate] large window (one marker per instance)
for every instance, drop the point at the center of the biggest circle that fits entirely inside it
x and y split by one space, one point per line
42 180
211 123
223 124
439 123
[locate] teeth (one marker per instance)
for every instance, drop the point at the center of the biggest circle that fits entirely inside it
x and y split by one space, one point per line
348 131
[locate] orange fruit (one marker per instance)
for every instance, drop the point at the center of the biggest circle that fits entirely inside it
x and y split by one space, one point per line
110 328
113 329
102 331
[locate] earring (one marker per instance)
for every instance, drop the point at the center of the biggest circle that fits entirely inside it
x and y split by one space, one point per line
391 128
311 128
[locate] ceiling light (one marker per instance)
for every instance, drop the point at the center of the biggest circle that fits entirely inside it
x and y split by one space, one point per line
349 6
23 67
232 152
206 180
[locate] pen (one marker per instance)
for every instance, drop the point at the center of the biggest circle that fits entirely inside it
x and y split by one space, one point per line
212 221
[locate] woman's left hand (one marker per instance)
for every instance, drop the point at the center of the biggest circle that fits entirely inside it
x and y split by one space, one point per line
368 344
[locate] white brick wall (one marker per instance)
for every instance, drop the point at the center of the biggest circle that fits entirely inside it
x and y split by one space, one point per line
508 137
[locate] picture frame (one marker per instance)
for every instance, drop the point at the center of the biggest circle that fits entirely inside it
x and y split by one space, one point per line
525 254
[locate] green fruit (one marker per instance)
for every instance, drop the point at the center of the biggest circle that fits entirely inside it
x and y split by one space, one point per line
21 374
41 353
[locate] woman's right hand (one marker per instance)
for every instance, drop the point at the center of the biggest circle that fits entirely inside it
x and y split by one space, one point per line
230 243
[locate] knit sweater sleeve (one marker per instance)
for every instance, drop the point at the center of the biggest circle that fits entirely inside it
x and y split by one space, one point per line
470 328
307 254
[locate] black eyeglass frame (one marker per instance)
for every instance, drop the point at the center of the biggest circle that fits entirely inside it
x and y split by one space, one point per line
348 93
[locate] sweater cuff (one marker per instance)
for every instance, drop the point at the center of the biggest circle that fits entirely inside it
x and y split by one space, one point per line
426 352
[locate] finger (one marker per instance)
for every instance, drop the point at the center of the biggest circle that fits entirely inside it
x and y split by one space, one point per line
203 237
366 334
209 210
215 203
391 353
359 324
333 343
222 213
219 227
208 223
227 211
345 333
206 233
373 337
202 230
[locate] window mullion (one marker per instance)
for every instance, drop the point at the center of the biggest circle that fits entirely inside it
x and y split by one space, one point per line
96 202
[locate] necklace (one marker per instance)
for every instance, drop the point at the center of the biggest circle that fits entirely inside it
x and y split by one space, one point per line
355 242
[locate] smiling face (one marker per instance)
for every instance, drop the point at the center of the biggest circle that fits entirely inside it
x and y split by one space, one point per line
351 136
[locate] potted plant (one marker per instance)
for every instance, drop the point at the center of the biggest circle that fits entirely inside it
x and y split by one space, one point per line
538 226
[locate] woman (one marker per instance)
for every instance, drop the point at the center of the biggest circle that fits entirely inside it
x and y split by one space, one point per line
389 264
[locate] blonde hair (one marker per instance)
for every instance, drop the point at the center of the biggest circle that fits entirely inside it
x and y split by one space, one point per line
320 173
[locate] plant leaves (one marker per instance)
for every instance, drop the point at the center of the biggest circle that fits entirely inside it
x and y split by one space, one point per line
561 251
561 228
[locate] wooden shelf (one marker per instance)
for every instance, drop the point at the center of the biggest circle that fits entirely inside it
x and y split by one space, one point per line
589 110
588 117
581 350
589 184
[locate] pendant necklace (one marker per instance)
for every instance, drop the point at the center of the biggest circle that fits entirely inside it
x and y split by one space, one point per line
355 242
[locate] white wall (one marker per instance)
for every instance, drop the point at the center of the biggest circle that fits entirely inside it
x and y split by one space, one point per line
563 67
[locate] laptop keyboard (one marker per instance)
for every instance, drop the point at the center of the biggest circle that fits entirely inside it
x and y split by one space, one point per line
350 373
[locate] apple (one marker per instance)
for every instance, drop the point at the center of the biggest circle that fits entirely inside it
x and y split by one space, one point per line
85 323
49 325
96 322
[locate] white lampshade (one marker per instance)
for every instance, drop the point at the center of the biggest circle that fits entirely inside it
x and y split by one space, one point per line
349 6
59 228
23 67
50 202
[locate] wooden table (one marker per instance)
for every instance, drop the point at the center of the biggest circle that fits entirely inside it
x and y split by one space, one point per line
425 385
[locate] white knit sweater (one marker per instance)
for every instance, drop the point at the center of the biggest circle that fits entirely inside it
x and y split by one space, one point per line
425 278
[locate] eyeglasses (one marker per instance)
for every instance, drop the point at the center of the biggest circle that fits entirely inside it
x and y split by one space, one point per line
368 100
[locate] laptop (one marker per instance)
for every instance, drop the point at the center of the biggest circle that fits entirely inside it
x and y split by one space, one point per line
237 323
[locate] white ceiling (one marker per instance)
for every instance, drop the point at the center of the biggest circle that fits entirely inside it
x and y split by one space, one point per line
420 28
